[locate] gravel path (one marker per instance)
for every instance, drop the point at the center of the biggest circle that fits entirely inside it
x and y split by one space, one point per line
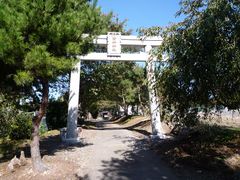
117 154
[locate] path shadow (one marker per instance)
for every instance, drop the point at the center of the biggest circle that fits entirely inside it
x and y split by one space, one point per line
139 163
51 145
48 146
142 162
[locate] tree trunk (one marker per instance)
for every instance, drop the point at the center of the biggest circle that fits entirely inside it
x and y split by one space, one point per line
38 165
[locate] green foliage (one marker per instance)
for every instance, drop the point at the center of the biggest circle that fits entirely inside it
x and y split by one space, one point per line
203 52
115 25
40 39
153 31
42 35
7 115
22 126
15 124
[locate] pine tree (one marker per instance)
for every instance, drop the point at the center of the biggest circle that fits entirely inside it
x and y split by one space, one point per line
39 40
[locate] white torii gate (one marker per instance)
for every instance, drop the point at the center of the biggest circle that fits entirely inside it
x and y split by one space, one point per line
114 42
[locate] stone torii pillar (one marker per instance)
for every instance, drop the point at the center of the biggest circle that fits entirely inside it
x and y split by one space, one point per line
71 134
157 129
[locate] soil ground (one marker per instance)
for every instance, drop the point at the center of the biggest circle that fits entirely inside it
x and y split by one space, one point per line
121 150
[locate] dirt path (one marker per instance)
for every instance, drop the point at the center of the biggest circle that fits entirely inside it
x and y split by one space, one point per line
107 152
117 153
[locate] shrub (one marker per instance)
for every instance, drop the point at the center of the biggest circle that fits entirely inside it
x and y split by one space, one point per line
7 114
21 126
14 124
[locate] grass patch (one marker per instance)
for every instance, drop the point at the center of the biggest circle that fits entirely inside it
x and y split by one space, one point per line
217 135
50 133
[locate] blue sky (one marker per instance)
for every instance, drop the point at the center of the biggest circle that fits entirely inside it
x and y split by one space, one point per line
142 13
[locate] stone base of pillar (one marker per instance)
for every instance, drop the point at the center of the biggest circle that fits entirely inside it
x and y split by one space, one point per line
160 137
63 135
72 140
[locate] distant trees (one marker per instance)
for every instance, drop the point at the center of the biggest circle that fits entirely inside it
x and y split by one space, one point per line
203 59
113 83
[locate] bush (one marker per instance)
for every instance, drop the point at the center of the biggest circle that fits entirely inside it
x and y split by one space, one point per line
13 123
7 114
21 126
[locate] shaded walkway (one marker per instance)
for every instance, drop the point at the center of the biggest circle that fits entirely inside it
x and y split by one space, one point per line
117 154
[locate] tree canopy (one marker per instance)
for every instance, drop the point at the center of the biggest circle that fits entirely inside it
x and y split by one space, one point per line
203 58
